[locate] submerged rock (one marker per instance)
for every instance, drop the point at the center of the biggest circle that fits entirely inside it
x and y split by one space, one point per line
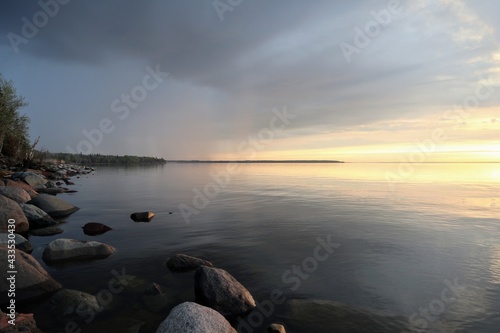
216 288
68 303
183 263
142 216
190 317
72 249
94 228
155 298
32 281
53 206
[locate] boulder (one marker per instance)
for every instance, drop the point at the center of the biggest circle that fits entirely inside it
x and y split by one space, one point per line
15 193
9 209
30 178
32 281
94 228
190 317
184 263
31 191
216 288
72 249
328 316
37 217
53 206
23 322
49 231
66 302
20 242
142 216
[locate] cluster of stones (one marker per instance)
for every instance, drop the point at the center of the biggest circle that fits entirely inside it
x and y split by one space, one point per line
219 296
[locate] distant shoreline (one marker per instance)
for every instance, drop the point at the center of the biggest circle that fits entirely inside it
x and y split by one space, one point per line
253 161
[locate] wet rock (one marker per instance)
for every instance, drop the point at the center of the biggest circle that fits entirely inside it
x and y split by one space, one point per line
276 328
72 249
32 281
94 228
53 206
328 316
15 193
9 209
216 288
190 317
20 242
183 263
155 299
49 231
37 217
142 216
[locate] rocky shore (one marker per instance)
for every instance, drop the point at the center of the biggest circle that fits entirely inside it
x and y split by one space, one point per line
29 205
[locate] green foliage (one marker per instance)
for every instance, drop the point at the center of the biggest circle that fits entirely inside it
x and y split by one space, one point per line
14 137
93 159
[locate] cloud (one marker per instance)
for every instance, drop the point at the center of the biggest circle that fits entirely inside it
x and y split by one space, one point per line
227 76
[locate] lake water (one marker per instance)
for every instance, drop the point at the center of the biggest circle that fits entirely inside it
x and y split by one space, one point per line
402 238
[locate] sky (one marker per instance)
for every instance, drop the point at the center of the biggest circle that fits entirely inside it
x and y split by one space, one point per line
358 81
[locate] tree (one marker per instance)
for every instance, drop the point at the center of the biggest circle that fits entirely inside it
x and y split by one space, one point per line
14 138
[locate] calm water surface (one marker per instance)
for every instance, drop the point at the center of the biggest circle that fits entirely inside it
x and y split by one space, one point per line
401 241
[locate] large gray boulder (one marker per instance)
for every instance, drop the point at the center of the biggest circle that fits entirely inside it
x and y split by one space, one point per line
20 242
190 317
10 210
15 193
30 178
53 206
328 316
72 249
216 288
183 263
32 281
37 217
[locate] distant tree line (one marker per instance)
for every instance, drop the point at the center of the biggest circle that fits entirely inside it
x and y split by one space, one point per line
14 137
93 159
